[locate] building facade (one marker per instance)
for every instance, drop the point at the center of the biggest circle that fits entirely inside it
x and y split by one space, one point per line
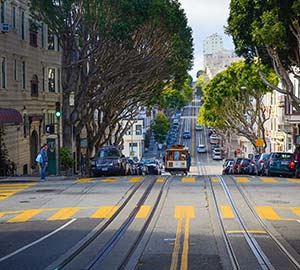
30 85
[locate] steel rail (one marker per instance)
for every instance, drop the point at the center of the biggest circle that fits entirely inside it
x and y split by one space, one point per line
144 229
254 246
86 243
231 253
276 241
107 248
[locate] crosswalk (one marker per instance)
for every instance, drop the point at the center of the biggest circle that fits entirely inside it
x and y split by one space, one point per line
107 211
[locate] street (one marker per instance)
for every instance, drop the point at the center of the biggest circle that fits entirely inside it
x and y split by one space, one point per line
200 221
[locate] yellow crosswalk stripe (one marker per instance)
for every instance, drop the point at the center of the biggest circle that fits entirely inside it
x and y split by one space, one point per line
143 212
25 216
242 179
215 180
160 180
296 210
64 213
105 212
7 190
293 180
84 180
135 179
226 211
109 180
267 212
268 180
188 179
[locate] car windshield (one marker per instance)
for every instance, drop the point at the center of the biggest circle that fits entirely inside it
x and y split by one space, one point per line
149 161
109 153
283 155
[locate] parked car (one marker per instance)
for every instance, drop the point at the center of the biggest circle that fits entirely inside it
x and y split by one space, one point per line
214 139
236 167
108 160
186 135
198 127
226 161
253 165
131 166
201 148
151 166
217 156
228 168
261 161
280 163
244 166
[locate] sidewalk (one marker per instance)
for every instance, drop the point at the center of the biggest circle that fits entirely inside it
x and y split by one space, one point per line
37 178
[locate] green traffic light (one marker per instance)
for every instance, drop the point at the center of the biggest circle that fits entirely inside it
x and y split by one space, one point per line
58 114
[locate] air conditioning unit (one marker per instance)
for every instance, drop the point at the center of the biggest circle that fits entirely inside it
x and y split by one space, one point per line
5 27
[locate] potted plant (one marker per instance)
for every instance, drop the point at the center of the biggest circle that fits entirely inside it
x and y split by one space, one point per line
66 160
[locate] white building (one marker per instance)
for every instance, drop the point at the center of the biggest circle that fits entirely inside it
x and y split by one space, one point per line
134 139
212 44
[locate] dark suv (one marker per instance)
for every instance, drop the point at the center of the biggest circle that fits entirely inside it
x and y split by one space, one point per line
108 160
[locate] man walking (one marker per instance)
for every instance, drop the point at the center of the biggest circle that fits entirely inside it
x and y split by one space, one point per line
44 163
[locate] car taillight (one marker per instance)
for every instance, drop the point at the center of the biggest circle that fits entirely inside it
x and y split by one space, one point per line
236 165
262 161
252 161
292 164
242 165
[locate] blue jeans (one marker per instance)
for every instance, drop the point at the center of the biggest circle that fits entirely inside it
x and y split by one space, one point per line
43 170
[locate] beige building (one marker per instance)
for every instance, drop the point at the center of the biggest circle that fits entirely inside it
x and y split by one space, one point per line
30 85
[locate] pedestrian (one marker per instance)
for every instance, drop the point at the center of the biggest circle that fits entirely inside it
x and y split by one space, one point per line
235 153
189 160
43 161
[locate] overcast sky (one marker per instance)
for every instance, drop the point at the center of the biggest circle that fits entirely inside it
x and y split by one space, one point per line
206 17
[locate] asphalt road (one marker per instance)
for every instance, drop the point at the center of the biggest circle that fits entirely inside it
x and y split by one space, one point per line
200 221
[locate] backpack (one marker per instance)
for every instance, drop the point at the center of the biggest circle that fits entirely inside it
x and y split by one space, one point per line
39 158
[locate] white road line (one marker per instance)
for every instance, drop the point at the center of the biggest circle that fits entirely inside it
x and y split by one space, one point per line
37 241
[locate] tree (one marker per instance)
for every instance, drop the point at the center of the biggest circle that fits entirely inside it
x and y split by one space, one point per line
115 57
233 101
269 30
161 127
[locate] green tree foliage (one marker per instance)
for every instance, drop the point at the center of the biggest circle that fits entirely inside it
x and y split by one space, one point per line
269 30
3 153
233 100
161 127
116 55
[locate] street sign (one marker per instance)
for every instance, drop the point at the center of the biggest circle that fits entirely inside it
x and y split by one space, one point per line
259 142
50 129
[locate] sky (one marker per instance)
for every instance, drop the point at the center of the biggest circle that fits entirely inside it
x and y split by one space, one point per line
206 17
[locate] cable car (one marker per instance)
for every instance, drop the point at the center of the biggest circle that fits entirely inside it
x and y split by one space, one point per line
177 159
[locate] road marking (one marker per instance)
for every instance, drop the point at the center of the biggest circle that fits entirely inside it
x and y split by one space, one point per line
25 216
296 210
7 190
109 180
160 180
268 180
267 212
293 180
215 180
135 179
226 211
188 179
181 213
143 212
242 179
84 180
248 231
36 242
105 212
64 213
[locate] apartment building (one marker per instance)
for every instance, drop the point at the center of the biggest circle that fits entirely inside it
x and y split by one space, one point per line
30 85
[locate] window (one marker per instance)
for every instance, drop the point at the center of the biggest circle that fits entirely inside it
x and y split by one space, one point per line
33 39
3 73
14 17
43 35
23 75
2 12
43 78
23 25
51 42
15 70
58 80
34 86
51 80
138 129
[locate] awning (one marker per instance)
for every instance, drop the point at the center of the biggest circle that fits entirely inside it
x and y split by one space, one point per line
10 116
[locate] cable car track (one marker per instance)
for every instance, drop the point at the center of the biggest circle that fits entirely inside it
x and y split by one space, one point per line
68 260
258 249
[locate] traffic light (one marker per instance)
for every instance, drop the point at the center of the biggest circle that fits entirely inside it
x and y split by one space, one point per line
50 129
57 109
